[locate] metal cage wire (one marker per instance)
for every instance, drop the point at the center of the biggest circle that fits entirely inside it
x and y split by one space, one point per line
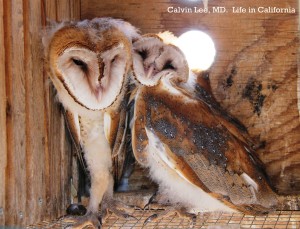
276 220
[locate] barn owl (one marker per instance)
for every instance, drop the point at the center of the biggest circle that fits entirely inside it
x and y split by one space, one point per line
199 155
89 64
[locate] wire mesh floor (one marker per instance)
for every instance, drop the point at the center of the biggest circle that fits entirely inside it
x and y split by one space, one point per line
279 219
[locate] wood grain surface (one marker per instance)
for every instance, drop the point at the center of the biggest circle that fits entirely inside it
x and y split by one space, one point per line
254 76
36 153
3 142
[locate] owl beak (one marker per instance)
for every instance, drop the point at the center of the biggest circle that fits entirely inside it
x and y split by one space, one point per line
101 71
97 92
150 71
95 87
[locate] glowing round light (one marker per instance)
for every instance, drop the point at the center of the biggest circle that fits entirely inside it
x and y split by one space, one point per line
198 48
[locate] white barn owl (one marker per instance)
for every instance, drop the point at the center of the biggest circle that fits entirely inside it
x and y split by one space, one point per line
199 155
89 64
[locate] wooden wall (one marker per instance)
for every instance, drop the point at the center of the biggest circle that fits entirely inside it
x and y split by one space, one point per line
255 72
35 154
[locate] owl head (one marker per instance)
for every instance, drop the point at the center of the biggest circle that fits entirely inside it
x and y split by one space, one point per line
89 60
153 59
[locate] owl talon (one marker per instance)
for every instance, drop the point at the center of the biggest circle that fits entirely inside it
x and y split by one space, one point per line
118 208
151 200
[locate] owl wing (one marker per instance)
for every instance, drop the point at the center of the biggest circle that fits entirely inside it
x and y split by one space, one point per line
115 126
203 92
72 121
115 129
199 146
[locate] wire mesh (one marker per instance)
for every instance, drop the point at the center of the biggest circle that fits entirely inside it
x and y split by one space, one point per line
276 220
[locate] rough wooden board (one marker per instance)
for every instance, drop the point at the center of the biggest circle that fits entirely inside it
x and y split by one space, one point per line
50 10
16 117
52 152
35 130
66 10
58 148
63 10
2 119
254 75
75 9
35 161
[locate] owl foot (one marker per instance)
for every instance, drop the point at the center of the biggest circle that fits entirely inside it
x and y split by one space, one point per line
89 220
118 208
151 200
170 211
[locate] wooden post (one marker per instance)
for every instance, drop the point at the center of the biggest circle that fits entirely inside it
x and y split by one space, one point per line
3 148
16 184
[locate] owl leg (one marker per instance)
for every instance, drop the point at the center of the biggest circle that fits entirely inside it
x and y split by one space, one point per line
92 219
99 164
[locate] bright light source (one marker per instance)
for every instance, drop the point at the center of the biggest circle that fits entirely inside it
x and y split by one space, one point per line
198 48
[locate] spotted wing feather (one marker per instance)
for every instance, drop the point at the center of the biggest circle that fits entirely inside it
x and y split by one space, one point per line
201 145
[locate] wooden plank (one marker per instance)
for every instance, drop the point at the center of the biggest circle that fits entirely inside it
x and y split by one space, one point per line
34 182
66 10
66 160
58 149
255 71
63 10
35 130
16 119
50 8
63 13
51 147
2 119
55 136
75 9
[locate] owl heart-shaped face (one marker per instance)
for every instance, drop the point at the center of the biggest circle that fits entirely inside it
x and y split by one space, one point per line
153 60
91 63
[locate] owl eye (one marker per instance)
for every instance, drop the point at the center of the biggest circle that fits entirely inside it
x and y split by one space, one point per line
143 53
168 65
80 64
114 59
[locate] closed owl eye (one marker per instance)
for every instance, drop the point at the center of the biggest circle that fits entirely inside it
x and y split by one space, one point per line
80 64
168 65
114 59
143 53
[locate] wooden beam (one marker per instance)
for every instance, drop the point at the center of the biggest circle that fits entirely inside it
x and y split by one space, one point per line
35 130
2 118
15 208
